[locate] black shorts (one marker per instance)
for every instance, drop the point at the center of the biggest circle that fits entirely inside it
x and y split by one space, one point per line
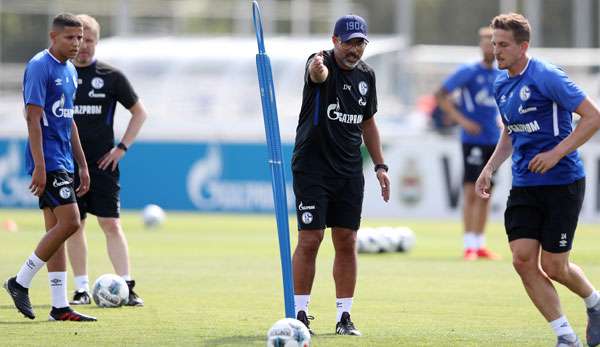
59 190
328 202
102 200
548 214
474 159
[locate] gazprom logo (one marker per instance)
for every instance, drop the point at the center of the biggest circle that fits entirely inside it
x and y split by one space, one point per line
208 189
530 127
59 110
334 113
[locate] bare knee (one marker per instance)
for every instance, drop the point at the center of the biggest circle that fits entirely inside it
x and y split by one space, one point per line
70 225
525 264
309 242
110 226
556 270
344 241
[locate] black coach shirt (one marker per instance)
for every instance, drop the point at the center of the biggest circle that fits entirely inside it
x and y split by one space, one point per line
329 132
100 87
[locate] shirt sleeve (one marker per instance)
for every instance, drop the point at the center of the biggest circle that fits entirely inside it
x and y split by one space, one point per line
35 83
125 94
372 101
459 78
557 86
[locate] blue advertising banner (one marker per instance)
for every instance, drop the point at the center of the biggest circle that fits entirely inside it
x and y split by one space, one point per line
220 177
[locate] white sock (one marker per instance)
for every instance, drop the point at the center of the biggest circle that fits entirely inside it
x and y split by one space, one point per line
32 265
561 326
82 283
126 277
469 240
301 303
479 241
343 305
58 288
592 300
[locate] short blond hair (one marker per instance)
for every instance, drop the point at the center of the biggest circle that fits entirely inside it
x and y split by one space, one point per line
89 23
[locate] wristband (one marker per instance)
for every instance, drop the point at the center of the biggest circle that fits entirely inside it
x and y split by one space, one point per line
122 146
381 166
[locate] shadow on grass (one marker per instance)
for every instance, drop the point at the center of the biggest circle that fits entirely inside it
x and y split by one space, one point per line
12 307
26 321
234 340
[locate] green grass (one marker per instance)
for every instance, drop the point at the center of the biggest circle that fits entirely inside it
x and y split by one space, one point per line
215 280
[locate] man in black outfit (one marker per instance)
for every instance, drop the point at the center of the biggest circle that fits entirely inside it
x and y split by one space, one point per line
101 86
338 105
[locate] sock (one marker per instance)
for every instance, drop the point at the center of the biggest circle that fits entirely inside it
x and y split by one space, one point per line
561 326
479 240
343 305
592 300
82 283
469 240
126 277
58 288
29 269
301 303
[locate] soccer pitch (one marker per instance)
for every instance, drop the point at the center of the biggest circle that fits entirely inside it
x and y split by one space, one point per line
215 280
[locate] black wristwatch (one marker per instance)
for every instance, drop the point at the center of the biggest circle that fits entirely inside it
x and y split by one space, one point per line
381 166
122 146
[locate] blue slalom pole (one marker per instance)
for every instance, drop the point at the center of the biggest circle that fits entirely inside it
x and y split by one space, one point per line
269 106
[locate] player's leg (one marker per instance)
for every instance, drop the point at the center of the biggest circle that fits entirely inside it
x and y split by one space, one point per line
344 216
469 235
539 288
77 251
526 220
564 204
116 244
470 165
67 218
345 267
303 266
311 210
118 252
481 211
526 253
558 268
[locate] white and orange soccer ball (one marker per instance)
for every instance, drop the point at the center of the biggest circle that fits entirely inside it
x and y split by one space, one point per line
288 332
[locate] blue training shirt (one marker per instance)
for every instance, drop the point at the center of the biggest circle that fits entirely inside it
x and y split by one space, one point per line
51 84
476 83
536 108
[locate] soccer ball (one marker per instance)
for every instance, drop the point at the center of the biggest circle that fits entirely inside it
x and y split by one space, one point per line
153 216
110 291
366 240
389 239
288 332
408 239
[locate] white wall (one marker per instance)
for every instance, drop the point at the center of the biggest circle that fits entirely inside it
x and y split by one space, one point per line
421 188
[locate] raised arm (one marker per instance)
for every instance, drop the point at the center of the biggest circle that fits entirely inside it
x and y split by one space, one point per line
317 69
